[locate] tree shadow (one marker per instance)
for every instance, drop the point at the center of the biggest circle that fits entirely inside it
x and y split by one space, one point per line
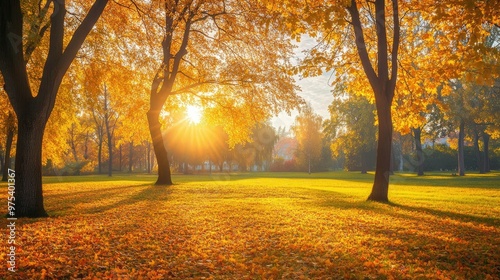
151 194
342 201
104 199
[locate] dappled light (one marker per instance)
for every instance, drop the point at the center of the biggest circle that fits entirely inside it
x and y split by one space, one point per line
256 139
260 226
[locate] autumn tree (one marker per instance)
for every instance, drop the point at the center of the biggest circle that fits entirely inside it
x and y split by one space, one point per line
361 40
263 140
307 130
352 129
213 52
33 101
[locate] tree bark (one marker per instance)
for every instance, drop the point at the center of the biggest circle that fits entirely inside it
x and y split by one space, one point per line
461 159
380 187
8 146
417 134
164 174
28 167
86 146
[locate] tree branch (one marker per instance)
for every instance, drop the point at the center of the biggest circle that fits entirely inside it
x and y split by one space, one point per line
395 48
361 45
81 34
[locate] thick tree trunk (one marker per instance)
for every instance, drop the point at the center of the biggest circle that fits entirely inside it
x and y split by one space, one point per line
164 175
383 169
33 112
486 142
417 134
28 193
461 160
8 147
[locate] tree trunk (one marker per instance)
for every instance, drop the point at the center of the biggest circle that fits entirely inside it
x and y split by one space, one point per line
164 175
120 159
461 160
110 158
382 80
33 112
28 193
384 145
148 157
364 169
417 134
479 156
152 158
486 158
86 146
99 156
130 156
8 147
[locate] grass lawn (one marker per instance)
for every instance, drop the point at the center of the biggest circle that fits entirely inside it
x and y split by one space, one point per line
261 226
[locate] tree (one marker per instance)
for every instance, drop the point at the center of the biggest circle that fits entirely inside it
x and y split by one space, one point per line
10 129
368 61
263 140
364 56
382 79
352 129
213 52
33 110
307 130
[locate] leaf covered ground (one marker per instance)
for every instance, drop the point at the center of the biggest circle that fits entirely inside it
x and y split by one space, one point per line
242 226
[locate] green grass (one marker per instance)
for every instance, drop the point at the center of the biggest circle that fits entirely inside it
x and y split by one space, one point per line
263 226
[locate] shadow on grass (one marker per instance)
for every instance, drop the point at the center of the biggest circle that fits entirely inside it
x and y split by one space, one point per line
341 201
100 197
151 194
492 221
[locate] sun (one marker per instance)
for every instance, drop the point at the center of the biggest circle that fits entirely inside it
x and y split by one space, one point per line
194 114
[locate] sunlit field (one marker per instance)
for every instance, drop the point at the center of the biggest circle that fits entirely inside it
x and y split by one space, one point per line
262 226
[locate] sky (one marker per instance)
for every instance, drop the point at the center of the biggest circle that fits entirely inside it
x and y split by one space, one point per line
314 90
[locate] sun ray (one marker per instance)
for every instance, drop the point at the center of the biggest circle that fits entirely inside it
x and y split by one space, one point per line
194 114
